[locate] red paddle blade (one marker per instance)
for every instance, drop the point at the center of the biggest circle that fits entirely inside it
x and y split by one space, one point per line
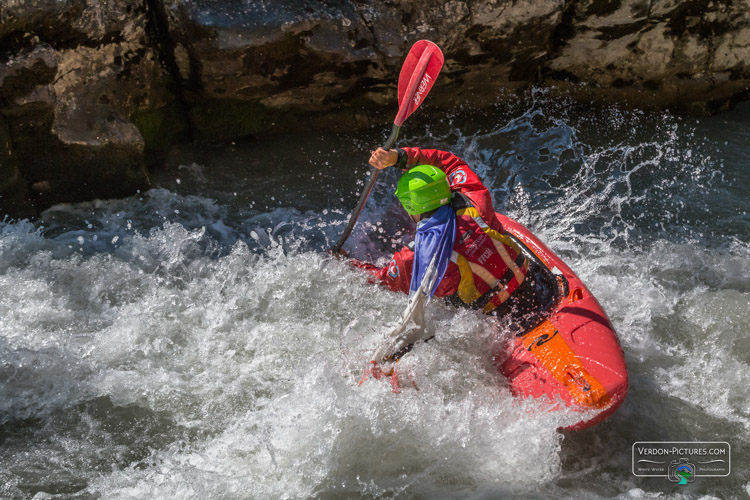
418 74
376 372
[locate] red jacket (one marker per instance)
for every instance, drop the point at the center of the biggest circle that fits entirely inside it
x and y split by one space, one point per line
397 274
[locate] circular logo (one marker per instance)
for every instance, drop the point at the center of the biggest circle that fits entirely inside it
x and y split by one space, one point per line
457 177
681 471
393 269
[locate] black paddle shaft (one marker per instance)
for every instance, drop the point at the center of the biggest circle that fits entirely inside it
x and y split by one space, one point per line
365 193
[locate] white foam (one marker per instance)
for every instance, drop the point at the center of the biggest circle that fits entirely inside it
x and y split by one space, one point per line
240 343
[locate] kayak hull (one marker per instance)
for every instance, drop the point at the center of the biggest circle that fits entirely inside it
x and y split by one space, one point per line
573 357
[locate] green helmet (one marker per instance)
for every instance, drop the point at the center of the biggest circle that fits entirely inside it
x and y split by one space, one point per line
423 188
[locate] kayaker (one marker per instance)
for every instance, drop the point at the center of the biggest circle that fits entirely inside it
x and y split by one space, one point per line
479 265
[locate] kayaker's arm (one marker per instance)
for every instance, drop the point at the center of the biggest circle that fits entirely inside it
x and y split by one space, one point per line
397 274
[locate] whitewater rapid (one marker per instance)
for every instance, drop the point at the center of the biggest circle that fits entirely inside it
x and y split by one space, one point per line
196 341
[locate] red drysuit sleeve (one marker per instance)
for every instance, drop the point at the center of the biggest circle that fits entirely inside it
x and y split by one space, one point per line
397 274
461 179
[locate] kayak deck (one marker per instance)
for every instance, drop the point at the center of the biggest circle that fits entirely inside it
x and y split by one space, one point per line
573 355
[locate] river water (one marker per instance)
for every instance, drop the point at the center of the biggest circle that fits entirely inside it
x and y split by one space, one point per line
195 340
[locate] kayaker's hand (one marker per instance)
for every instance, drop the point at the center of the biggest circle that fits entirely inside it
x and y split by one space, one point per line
380 158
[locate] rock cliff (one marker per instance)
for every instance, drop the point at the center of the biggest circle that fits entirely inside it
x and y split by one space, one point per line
92 92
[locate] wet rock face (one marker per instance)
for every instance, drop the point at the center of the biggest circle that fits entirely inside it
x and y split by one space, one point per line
319 56
71 74
91 90
693 55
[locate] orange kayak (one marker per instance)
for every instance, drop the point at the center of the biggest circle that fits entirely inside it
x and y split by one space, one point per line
574 355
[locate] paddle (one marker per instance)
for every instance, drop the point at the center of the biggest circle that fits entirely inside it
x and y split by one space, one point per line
418 74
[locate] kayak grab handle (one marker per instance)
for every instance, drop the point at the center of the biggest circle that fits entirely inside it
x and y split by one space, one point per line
578 378
575 295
